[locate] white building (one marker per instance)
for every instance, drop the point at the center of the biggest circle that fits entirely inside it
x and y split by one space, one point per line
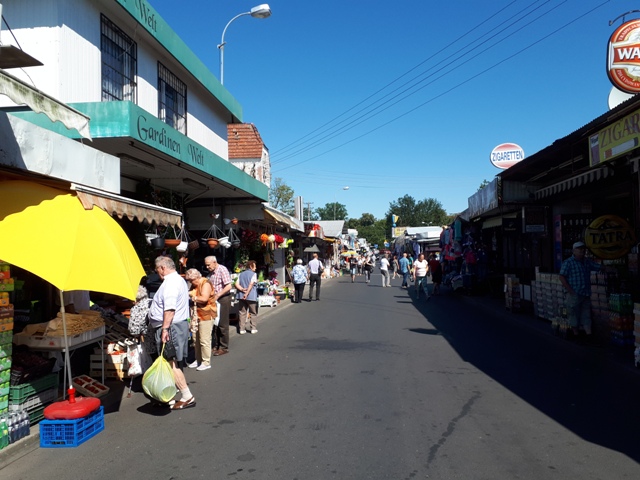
151 102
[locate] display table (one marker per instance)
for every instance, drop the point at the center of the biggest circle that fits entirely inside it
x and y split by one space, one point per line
40 347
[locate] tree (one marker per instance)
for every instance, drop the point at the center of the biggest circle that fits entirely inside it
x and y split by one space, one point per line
367 219
416 214
332 211
375 233
281 197
484 183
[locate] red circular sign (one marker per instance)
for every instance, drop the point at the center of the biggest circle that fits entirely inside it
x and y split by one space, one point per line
623 57
506 155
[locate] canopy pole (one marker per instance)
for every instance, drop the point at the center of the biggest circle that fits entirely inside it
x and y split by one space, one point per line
67 359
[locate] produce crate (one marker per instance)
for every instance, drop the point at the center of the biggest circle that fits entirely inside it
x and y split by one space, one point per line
35 401
19 393
44 342
36 415
114 366
71 433
89 387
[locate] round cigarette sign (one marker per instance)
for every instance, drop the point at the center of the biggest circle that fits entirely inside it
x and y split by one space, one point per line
623 57
506 155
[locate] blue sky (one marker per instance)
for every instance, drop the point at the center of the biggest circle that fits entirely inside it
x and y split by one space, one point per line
394 98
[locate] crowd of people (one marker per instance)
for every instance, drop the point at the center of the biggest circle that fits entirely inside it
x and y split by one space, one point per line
197 306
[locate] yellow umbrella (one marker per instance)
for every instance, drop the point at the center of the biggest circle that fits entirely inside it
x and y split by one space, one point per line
49 233
61 242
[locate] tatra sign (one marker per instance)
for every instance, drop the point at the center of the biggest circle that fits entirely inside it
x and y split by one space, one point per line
609 237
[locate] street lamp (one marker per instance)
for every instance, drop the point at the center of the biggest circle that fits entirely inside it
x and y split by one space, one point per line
334 202
261 11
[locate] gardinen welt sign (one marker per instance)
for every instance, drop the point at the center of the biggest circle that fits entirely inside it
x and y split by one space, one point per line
615 139
623 57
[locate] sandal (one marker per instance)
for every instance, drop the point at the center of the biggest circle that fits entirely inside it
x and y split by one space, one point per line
180 405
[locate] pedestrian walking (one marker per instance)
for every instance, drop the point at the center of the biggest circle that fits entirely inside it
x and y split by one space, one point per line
405 270
300 276
168 316
435 270
221 282
395 266
353 267
368 268
315 276
384 269
248 298
420 270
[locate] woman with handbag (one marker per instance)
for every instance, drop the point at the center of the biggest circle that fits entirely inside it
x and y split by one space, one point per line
206 311
299 274
368 268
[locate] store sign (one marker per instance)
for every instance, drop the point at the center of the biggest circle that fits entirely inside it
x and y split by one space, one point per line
533 220
623 57
609 237
397 231
506 155
616 139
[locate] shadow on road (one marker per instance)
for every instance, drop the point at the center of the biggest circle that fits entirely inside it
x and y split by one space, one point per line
580 387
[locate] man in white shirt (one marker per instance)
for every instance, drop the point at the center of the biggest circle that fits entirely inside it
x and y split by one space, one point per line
168 316
315 272
384 269
420 270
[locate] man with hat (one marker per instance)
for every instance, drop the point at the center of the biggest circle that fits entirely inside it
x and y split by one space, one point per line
575 276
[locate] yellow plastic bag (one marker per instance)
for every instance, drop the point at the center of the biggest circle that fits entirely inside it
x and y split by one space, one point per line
158 381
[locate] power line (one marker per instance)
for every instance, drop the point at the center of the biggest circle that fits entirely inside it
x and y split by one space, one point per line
404 114
458 58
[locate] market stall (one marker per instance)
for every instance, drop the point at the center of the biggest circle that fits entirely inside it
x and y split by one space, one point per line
36 208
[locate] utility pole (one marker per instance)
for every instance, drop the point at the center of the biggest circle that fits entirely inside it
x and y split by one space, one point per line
308 210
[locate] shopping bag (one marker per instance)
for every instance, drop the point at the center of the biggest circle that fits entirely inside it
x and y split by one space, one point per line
138 360
216 321
158 381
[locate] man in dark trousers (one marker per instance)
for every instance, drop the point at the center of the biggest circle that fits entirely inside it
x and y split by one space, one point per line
315 272
221 282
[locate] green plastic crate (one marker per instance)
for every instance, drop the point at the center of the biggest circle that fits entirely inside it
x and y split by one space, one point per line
36 415
19 393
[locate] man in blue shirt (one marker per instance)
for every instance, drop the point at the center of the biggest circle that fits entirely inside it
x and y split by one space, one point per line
405 269
575 276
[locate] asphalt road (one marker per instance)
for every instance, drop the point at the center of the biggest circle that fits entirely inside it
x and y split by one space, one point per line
369 383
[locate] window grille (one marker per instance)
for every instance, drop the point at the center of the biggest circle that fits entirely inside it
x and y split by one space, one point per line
172 99
119 63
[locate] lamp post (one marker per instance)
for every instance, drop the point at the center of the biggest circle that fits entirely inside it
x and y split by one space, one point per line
334 202
260 11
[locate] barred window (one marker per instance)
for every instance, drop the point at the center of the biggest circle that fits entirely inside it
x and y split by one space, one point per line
172 99
119 63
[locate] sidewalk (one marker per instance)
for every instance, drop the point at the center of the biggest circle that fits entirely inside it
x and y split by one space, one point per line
117 390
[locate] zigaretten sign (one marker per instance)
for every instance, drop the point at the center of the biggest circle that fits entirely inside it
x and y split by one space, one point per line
615 139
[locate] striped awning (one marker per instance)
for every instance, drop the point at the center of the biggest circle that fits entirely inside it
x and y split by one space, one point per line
591 176
22 93
127 207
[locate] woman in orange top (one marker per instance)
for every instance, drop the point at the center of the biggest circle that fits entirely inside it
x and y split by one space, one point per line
201 295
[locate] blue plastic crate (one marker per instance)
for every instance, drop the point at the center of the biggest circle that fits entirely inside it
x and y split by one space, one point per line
71 433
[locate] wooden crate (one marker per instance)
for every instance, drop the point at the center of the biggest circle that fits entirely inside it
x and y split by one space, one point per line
112 368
